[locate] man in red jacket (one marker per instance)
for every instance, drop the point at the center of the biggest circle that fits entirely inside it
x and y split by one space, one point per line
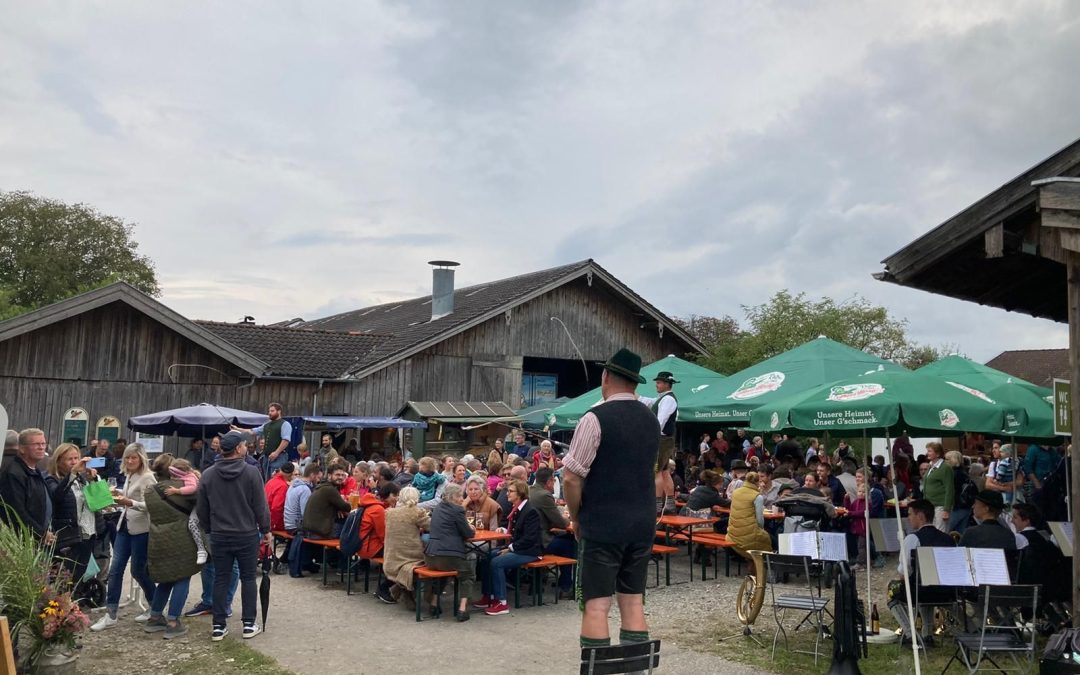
276 488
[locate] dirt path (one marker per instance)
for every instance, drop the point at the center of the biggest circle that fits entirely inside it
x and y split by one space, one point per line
319 630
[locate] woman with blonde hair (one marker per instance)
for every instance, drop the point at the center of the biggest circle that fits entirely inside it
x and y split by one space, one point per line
960 516
403 549
72 522
746 525
132 535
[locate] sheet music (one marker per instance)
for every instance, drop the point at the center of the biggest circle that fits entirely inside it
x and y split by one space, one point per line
832 546
989 566
952 567
884 533
800 543
1063 536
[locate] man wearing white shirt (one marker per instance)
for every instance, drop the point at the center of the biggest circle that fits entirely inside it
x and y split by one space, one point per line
666 407
921 518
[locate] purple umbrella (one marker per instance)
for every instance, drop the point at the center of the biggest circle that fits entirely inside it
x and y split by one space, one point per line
195 420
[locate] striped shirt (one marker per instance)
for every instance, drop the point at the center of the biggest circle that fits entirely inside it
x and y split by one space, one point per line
586 441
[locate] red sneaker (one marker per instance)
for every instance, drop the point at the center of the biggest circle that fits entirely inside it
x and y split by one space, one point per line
483 603
498 608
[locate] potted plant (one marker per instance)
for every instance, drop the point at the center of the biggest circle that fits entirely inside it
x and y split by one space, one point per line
45 621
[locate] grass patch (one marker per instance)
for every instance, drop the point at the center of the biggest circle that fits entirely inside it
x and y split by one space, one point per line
230 657
883 659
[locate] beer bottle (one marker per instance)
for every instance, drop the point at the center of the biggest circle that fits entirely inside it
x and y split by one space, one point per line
875 620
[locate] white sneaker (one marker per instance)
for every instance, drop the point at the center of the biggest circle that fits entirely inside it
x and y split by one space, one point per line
144 617
103 623
200 559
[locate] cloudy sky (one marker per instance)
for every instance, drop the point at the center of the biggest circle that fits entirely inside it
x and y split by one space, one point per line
299 159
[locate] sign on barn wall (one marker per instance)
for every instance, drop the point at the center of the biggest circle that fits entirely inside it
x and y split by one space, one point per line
76 427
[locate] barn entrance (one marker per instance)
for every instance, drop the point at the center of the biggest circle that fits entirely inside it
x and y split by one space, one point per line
544 380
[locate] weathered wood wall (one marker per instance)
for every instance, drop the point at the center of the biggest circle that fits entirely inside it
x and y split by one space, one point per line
115 361
485 362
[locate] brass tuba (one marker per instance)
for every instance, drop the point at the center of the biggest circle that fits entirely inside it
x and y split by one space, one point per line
752 591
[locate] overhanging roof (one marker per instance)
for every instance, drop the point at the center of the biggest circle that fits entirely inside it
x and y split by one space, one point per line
993 252
336 422
141 302
459 411
410 324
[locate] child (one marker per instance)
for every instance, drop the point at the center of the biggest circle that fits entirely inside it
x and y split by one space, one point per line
181 470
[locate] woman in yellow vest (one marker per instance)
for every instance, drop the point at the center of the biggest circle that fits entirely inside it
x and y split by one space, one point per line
746 525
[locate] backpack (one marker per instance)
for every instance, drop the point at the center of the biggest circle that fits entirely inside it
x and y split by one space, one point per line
350 540
965 496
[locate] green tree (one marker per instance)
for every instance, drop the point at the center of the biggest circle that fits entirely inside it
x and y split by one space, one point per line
50 250
787 321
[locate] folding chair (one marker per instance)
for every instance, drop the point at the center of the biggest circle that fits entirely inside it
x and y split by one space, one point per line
1006 637
632 658
779 566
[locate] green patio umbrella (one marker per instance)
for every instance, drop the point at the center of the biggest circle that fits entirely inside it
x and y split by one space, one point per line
1001 387
535 416
891 402
976 375
809 365
693 379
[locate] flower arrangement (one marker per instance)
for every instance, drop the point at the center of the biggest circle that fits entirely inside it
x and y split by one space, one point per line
56 622
36 596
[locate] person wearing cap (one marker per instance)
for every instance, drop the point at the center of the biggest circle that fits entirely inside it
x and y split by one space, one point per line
276 489
735 480
666 408
609 482
989 532
232 506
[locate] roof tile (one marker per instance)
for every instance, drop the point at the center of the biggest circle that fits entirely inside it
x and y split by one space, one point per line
1038 366
298 352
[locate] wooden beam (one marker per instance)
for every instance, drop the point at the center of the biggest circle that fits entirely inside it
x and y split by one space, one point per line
1061 194
1061 218
1050 245
1074 374
1070 240
994 241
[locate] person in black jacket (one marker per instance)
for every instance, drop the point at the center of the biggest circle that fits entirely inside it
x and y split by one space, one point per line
446 547
23 490
72 522
526 545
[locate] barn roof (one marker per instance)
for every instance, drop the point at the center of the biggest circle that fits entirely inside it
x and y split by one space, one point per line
990 253
298 352
413 330
131 296
1038 366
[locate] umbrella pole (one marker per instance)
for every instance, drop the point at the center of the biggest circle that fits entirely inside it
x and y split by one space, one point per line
904 564
866 530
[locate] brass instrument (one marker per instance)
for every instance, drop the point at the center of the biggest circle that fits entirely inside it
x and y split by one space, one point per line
752 590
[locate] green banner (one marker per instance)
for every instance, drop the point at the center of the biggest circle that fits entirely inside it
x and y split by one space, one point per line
1062 408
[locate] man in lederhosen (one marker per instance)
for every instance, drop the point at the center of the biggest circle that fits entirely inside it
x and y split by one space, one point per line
666 408
608 482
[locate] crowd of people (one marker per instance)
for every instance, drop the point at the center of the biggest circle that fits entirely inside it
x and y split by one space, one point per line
212 511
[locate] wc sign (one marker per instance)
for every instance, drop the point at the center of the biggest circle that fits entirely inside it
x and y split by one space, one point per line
1062 408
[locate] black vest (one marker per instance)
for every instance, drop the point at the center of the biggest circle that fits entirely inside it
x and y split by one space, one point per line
928 535
618 503
669 427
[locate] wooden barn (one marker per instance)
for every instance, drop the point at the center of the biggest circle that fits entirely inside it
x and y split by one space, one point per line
117 352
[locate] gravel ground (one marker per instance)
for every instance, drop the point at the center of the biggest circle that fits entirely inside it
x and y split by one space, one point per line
316 629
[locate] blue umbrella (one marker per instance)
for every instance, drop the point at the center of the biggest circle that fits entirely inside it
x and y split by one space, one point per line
195 421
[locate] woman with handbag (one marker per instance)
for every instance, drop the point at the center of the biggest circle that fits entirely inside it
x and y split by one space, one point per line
132 535
72 518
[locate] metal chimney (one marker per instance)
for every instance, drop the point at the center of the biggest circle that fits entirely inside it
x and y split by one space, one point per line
442 288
